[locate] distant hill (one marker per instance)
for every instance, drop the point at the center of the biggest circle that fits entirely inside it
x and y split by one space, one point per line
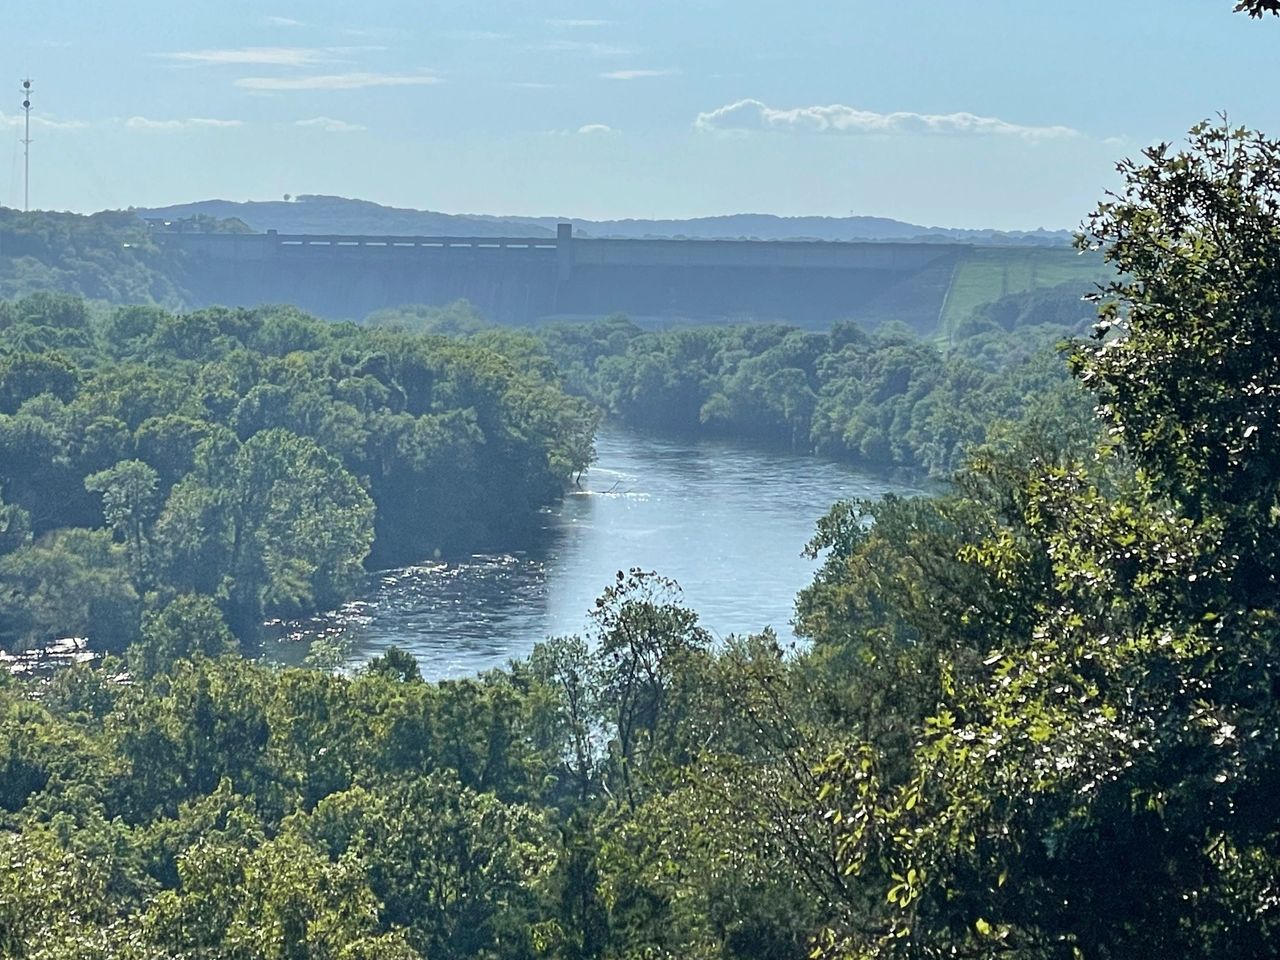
339 215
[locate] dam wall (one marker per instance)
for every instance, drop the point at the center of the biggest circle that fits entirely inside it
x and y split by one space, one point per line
522 280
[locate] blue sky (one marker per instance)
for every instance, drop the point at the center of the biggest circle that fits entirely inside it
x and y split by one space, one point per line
1001 113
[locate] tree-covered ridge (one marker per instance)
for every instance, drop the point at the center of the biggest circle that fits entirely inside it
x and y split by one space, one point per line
109 256
259 457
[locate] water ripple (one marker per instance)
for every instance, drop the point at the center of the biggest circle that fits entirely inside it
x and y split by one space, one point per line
728 522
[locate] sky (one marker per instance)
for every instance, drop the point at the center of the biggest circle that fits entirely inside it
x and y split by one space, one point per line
1006 114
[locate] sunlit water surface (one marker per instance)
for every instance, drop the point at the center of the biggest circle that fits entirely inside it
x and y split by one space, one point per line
728 522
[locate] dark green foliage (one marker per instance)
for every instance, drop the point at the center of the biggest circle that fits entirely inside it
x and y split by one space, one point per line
211 806
1190 384
1081 644
70 583
26 376
190 625
276 525
1061 306
1258 8
256 457
395 664
107 256
15 528
648 646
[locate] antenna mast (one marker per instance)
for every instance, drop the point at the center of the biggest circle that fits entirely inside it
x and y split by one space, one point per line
26 147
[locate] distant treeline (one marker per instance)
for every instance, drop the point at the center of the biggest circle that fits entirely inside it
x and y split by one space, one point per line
108 256
885 398
259 457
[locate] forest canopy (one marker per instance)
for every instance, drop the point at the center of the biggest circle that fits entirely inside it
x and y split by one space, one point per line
258 457
109 256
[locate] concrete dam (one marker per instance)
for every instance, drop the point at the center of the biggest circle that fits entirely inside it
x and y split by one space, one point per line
527 280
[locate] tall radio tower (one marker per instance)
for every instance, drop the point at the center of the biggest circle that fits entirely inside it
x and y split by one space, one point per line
26 147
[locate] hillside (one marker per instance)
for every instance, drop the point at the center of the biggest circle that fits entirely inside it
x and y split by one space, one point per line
987 274
107 256
333 215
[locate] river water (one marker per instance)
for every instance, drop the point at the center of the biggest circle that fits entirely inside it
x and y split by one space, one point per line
726 521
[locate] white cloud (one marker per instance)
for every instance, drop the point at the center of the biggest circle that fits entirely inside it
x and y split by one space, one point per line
637 74
284 22
191 123
255 56
577 24
330 125
532 85
595 128
747 115
45 122
338 81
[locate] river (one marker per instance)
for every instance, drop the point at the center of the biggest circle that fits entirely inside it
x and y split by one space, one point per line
728 522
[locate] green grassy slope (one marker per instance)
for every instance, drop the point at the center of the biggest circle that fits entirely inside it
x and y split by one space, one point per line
986 274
